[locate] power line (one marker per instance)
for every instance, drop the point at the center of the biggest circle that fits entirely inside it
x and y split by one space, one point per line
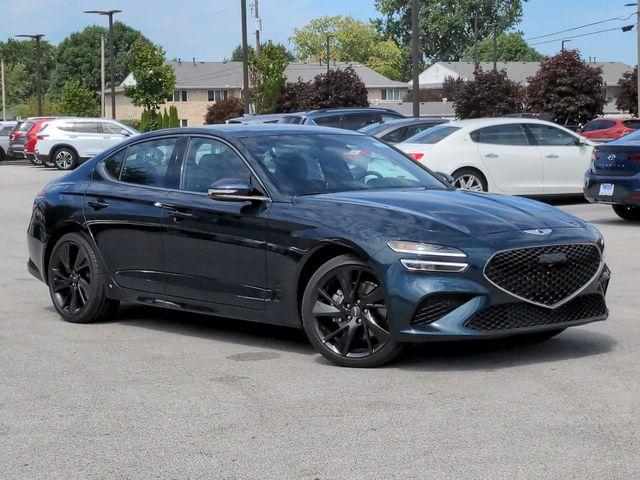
582 35
580 27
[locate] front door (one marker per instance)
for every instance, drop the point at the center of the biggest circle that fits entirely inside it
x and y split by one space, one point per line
214 251
564 158
514 165
123 210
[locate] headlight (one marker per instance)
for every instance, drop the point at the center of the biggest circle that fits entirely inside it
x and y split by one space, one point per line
430 250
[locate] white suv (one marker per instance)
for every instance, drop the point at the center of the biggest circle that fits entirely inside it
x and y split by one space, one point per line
67 142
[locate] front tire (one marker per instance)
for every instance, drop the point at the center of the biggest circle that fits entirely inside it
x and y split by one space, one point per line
470 179
627 212
345 316
65 158
77 281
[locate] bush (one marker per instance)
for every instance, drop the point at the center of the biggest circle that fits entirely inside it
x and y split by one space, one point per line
76 100
567 88
174 121
628 96
223 110
451 87
150 120
489 94
166 122
337 88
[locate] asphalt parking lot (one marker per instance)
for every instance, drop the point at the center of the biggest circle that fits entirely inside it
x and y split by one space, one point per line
157 394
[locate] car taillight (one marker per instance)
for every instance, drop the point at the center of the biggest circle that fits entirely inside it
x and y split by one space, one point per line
634 157
416 156
14 136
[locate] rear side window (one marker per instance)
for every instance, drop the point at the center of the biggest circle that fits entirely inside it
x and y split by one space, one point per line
432 135
510 134
147 163
79 127
635 124
292 119
111 128
356 121
396 135
5 131
113 164
329 121
598 125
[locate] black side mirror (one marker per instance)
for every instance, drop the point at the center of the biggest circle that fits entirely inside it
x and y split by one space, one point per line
125 133
234 190
446 178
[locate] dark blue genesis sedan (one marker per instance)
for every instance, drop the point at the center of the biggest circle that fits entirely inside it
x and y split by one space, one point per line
316 228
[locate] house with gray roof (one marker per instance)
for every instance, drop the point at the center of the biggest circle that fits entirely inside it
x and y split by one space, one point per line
434 76
199 84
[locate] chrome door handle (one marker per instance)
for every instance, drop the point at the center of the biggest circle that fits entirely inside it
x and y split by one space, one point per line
177 214
491 155
552 155
97 205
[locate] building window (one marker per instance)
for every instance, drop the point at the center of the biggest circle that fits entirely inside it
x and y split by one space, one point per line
390 94
217 95
184 123
178 96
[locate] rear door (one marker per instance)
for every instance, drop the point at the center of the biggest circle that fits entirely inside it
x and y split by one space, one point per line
214 251
565 159
512 162
123 210
83 136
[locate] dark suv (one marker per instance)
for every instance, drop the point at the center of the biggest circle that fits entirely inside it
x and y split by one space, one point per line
347 118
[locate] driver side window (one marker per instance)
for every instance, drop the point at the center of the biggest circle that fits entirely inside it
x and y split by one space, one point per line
546 135
209 161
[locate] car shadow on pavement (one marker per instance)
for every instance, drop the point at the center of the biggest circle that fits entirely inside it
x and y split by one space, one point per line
214 328
504 353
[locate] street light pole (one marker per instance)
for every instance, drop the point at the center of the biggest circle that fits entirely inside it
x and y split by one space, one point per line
245 57
102 75
112 55
4 95
328 57
415 57
563 42
38 76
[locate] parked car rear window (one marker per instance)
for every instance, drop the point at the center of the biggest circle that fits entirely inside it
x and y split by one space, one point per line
432 135
290 119
25 127
509 134
598 125
147 163
310 164
329 121
635 124
355 121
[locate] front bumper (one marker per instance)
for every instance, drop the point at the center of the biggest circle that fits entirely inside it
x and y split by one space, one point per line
480 309
626 189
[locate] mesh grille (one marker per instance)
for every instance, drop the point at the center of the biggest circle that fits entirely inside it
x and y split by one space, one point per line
436 306
540 275
524 315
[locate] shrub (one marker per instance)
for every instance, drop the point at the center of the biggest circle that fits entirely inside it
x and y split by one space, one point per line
489 94
628 96
174 121
223 110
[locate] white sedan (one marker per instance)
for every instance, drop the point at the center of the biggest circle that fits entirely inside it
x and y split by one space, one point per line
505 155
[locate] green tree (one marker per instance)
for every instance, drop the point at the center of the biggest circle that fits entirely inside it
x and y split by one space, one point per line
350 40
567 88
165 119
268 76
174 121
19 87
30 107
22 52
78 56
628 96
76 100
446 26
154 79
236 54
386 59
489 94
511 47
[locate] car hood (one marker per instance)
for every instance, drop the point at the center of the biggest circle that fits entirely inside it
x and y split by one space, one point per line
443 211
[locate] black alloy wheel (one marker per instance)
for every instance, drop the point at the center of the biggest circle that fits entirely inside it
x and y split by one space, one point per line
76 281
345 315
627 212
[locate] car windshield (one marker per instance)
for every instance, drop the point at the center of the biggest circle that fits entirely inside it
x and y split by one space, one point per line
432 135
373 128
323 163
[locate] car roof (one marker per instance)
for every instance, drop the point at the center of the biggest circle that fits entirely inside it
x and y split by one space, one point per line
487 122
332 111
254 130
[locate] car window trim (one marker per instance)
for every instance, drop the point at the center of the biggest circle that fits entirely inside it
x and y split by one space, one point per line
252 172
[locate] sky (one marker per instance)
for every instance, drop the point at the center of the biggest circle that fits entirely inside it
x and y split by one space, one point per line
209 29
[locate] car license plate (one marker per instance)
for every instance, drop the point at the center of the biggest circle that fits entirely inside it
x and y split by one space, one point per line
606 189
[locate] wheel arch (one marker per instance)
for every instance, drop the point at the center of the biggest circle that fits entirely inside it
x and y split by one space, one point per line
480 171
58 146
54 236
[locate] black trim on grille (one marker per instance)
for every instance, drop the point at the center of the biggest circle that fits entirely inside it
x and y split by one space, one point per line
436 306
509 316
547 275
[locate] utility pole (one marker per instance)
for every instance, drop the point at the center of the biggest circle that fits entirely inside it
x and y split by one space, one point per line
245 58
415 57
495 48
102 105
328 57
476 60
112 55
4 94
258 26
38 76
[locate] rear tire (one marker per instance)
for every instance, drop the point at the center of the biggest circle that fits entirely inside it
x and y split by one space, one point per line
470 179
77 281
627 212
2 155
49 163
65 158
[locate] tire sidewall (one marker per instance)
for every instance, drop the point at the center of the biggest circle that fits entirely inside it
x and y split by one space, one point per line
476 173
74 158
384 355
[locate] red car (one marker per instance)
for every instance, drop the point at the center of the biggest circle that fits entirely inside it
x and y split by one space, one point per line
32 139
607 128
